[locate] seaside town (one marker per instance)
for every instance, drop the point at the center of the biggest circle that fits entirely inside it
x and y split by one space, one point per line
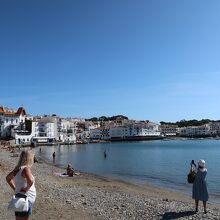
86 196
109 111
23 128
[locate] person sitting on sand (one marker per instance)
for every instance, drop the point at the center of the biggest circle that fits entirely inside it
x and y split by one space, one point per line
69 170
199 191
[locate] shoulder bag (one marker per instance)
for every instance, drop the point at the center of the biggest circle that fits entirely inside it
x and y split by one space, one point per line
19 203
191 176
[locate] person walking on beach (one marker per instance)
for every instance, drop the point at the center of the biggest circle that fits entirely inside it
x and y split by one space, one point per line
199 190
22 182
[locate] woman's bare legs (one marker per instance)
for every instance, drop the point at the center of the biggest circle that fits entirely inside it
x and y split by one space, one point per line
22 218
204 205
197 205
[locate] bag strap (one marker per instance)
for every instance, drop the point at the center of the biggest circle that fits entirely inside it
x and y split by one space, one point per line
20 195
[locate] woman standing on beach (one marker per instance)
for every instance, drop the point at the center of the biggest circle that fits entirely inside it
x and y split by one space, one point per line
22 182
200 191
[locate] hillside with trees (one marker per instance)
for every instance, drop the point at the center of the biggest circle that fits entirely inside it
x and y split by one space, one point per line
105 118
185 123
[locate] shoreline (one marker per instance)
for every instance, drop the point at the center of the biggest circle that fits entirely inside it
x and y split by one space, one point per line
135 183
112 178
93 197
178 187
119 140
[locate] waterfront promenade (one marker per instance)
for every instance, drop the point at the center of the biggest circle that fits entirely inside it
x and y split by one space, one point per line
92 197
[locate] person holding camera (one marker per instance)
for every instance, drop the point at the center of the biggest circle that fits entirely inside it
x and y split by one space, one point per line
199 190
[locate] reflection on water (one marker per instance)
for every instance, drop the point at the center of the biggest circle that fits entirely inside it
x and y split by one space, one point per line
164 163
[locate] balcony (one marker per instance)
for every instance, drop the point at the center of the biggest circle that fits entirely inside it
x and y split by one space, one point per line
42 135
42 130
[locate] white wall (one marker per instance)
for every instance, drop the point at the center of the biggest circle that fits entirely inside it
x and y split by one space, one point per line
44 129
23 138
8 121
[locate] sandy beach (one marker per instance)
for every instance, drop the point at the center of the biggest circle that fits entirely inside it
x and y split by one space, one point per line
92 197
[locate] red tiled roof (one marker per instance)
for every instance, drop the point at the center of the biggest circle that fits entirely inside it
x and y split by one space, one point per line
1 110
20 111
7 112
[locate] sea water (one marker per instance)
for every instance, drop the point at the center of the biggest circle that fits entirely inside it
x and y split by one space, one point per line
162 163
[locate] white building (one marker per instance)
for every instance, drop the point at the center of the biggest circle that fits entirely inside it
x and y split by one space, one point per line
214 128
169 130
21 138
67 130
89 125
133 131
100 133
11 119
95 133
195 131
44 128
40 130
123 132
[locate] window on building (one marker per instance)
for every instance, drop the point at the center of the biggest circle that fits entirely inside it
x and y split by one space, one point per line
12 121
6 120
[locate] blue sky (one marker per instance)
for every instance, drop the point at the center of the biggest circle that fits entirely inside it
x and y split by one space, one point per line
156 60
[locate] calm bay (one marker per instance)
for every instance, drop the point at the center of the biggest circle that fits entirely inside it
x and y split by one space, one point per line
161 163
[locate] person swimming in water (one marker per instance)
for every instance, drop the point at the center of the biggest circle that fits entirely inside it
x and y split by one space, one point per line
54 156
